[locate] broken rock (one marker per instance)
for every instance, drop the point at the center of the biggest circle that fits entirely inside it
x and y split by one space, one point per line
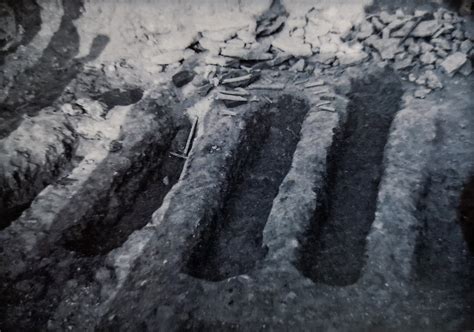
352 55
454 62
403 62
317 27
425 47
414 48
93 108
458 34
432 80
221 61
220 35
387 47
298 66
422 93
426 28
279 59
466 46
182 78
428 58
378 25
366 29
404 30
270 26
386 17
466 69
293 46
212 46
257 52
442 43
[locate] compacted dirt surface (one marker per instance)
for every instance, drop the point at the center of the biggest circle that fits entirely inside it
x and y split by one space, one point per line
311 169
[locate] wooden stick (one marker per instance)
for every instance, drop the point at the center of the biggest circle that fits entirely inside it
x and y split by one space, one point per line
190 137
302 81
314 84
276 86
268 99
229 113
237 79
178 155
323 103
320 92
327 109
418 20
230 97
236 92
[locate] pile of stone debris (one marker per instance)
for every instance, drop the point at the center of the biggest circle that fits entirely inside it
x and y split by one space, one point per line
421 46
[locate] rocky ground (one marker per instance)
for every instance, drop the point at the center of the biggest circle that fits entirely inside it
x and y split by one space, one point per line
285 165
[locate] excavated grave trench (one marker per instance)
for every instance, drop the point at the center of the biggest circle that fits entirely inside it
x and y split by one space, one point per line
16 198
232 245
108 226
334 247
79 252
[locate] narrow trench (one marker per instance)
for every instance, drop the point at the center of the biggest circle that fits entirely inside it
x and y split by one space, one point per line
334 246
444 259
232 245
441 251
103 233
466 213
15 203
466 218
33 296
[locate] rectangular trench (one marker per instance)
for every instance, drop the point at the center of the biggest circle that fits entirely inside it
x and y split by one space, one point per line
232 245
117 198
132 203
333 247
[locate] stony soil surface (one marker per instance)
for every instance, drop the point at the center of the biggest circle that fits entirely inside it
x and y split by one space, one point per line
310 169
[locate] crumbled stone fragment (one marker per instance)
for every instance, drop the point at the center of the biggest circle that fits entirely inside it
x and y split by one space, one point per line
426 28
454 62
298 66
428 58
421 93
466 69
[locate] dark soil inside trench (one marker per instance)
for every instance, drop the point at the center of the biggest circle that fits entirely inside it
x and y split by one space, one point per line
30 300
101 234
443 257
233 245
334 246
111 98
28 304
466 218
466 213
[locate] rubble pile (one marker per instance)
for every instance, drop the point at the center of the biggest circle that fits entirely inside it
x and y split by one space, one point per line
421 46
